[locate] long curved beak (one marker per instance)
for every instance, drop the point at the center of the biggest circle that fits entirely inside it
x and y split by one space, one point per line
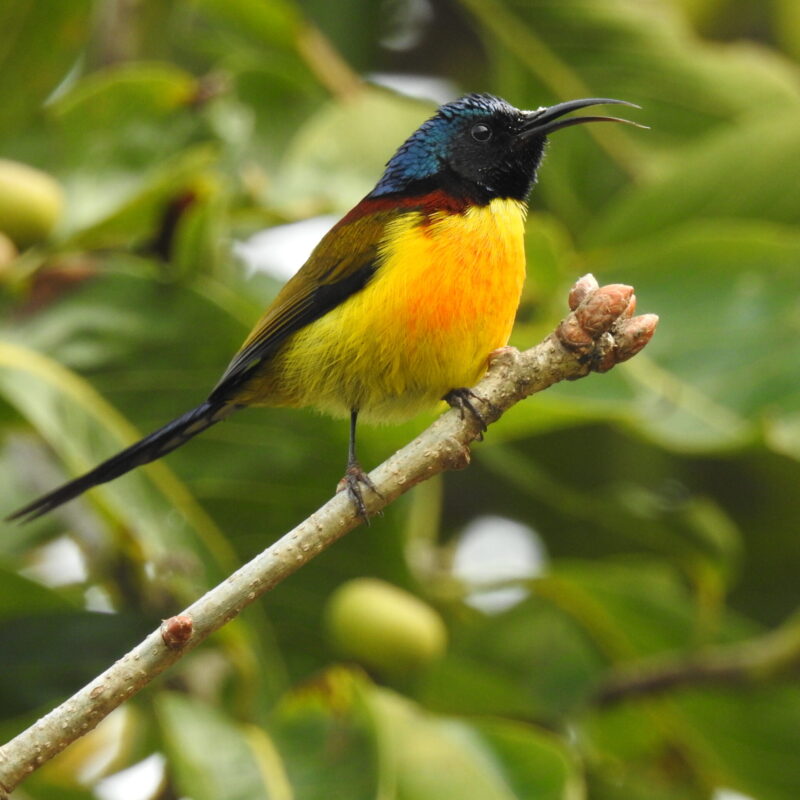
546 120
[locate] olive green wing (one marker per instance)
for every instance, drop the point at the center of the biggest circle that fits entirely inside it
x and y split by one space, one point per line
342 264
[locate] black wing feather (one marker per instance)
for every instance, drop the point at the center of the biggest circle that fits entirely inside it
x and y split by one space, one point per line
316 304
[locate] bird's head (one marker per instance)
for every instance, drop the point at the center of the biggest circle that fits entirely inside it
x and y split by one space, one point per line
481 147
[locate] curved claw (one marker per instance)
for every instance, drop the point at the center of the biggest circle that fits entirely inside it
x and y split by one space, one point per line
354 477
462 399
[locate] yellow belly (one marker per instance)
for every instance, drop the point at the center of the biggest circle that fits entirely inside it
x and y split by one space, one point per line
444 296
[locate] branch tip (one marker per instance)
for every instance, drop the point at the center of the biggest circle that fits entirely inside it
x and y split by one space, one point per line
598 333
601 330
581 289
602 308
634 334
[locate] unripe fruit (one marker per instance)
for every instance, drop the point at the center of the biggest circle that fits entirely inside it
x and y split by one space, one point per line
31 203
384 628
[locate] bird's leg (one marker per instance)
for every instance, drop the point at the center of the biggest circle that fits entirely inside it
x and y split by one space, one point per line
463 400
354 475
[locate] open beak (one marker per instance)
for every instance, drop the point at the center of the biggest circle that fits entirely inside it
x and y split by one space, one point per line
546 120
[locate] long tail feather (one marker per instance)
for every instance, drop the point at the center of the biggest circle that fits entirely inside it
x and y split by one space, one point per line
157 444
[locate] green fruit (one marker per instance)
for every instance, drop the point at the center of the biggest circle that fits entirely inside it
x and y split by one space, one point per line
384 628
31 203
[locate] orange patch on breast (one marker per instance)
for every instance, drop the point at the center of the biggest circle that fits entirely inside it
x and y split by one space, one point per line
458 276
444 296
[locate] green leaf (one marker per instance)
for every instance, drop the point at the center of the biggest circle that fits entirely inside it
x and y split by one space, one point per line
641 52
23 597
533 763
786 26
81 643
530 662
348 142
750 737
746 171
340 736
743 739
271 24
725 293
424 757
644 52
41 41
122 208
325 736
211 756
121 95
61 405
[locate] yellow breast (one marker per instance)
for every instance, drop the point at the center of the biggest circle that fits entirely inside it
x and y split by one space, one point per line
444 296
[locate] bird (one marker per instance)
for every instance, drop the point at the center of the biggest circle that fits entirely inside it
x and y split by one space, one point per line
400 304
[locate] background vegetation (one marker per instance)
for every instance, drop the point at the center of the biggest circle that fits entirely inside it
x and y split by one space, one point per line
630 517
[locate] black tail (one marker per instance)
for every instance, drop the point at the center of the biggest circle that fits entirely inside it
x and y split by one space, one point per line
157 444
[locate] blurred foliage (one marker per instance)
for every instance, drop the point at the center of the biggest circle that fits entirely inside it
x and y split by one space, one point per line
663 495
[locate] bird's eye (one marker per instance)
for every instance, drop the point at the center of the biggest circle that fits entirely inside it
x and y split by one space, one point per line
481 132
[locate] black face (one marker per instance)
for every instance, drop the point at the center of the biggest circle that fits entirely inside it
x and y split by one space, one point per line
490 152
478 148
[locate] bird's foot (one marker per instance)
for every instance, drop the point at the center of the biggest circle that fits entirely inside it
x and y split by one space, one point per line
463 400
354 478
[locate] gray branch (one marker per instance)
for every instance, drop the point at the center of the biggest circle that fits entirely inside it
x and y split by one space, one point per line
599 333
772 656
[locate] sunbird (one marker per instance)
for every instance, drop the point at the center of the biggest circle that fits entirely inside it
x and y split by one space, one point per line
402 301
